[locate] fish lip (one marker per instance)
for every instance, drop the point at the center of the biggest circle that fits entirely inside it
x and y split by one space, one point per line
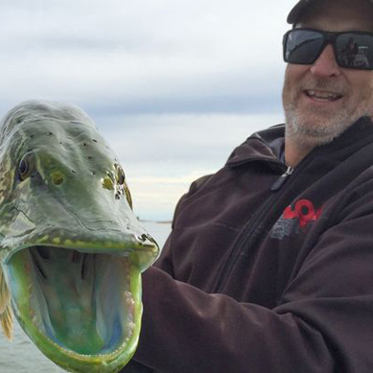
123 351
140 245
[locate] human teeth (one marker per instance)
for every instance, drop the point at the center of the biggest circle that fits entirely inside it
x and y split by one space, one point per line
323 95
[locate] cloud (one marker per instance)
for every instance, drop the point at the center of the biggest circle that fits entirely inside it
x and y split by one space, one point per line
143 55
173 85
163 154
181 138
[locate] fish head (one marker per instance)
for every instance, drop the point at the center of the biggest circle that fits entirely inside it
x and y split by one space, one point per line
71 248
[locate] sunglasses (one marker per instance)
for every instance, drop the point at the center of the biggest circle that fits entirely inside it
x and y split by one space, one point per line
352 49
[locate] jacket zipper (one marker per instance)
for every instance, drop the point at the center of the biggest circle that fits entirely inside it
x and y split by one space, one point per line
282 180
244 242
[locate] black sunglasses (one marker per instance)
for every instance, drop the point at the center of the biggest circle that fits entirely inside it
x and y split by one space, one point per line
352 49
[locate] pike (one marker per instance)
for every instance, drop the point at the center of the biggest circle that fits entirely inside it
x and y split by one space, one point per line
71 249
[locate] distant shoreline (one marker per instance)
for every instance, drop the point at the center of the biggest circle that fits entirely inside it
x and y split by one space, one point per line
155 221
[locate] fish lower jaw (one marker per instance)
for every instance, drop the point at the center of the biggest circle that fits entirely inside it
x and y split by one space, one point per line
93 357
82 311
75 362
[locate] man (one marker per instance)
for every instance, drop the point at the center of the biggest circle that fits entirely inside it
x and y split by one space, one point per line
269 267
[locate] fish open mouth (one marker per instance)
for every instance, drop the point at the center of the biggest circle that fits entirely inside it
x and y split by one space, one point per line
79 308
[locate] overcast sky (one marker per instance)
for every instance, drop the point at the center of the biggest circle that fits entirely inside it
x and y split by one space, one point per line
173 85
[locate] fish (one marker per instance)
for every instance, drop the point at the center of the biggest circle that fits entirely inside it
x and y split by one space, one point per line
72 250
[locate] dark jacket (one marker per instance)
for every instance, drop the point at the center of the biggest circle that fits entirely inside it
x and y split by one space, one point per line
268 281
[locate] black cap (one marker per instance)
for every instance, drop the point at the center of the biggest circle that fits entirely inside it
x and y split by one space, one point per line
296 12
299 9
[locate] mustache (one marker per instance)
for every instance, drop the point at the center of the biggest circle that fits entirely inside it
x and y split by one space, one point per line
322 84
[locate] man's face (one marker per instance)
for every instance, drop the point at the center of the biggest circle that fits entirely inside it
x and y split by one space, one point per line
322 100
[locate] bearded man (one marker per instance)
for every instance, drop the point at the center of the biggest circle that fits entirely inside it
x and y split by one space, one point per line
269 266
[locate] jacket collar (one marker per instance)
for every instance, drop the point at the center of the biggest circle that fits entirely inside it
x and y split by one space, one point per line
266 145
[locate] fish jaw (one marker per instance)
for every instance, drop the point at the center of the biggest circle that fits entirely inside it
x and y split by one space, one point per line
112 342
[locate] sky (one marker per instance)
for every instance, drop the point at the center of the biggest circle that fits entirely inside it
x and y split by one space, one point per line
172 85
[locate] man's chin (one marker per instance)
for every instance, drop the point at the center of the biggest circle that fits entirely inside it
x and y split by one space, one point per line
315 131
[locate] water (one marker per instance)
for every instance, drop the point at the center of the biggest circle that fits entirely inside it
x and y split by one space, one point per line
21 356
159 231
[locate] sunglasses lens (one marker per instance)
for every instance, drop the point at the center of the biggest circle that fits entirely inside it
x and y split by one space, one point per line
302 46
355 51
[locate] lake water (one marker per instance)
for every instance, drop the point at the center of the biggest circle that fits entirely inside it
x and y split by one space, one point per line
21 356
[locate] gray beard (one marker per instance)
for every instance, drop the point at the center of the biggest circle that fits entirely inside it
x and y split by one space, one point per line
319 132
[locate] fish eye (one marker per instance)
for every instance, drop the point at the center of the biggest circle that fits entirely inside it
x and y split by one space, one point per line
25 167
121 179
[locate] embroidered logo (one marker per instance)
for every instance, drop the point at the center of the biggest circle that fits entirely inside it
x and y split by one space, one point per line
294 218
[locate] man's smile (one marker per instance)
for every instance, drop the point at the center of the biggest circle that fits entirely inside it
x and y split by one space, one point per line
322 96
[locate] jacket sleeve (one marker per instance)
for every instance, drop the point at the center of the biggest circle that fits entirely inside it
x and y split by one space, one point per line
323 322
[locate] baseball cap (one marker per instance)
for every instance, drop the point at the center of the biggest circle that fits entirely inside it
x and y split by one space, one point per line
299 8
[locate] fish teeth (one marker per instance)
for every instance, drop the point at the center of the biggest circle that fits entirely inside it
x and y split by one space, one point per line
130 326
128 297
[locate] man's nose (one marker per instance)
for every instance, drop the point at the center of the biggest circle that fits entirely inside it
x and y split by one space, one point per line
326 65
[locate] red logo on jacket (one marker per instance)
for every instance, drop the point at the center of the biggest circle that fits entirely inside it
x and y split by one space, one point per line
294 218
304 210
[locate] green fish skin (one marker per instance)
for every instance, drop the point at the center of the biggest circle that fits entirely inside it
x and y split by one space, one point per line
71 249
